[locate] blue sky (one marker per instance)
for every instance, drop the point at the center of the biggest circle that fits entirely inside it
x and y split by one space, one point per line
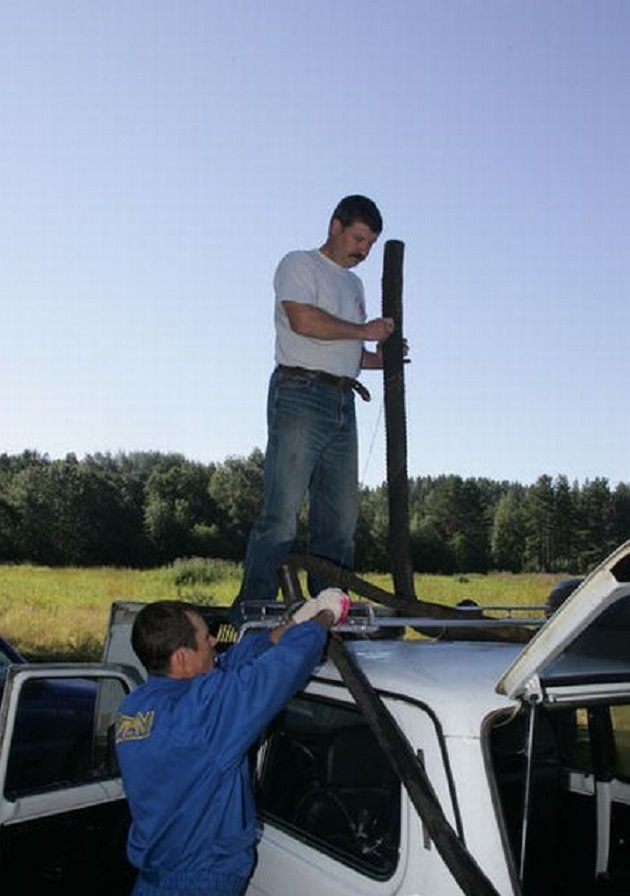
158 158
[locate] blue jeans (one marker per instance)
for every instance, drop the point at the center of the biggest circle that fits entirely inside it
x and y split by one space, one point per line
311 449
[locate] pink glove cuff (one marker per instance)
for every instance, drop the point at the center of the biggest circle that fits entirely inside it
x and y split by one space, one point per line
345 609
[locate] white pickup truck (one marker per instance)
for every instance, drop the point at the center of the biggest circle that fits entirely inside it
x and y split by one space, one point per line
426 766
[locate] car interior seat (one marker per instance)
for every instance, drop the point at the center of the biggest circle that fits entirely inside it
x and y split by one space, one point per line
356 806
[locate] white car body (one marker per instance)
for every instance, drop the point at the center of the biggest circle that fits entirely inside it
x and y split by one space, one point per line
441 695
465 707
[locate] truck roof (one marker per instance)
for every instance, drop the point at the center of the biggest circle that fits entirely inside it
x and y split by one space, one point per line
457 679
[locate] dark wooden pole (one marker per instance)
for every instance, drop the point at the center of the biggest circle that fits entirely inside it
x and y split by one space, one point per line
395 422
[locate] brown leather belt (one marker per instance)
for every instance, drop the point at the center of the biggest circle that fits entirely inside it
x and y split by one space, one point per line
341 382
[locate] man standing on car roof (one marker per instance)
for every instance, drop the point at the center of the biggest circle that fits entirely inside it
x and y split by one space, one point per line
182 740
321 330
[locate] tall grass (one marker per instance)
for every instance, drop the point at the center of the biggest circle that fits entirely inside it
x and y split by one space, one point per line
494 589
64 613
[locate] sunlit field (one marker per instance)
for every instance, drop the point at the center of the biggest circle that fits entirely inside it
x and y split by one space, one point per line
64 613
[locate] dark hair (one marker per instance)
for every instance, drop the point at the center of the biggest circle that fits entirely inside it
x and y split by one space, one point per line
159 629
358 208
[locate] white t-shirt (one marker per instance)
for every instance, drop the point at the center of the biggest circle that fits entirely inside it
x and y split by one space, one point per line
312 278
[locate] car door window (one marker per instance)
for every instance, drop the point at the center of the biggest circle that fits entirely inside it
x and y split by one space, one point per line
62 734
621 728
326 780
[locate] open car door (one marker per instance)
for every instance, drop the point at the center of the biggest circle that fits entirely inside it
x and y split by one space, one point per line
573 680
585 647
63 815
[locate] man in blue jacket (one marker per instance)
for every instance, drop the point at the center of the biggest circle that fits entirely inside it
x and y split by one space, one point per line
182 740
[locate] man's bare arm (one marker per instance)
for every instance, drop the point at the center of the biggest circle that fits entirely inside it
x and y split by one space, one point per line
307 320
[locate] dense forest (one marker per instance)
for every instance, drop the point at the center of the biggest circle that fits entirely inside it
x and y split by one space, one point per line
147 509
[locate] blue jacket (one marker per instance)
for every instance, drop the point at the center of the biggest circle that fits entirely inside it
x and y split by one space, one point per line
182 747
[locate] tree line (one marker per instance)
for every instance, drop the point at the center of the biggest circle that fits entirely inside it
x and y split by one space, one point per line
146 509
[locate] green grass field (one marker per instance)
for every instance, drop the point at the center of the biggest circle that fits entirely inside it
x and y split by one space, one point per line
64 613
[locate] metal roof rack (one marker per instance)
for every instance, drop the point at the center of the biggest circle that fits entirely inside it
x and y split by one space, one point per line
367 620
377 613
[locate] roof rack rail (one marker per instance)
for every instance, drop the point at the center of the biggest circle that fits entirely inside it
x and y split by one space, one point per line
365 619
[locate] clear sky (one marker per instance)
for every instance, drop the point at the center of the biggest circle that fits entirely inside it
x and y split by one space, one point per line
158 157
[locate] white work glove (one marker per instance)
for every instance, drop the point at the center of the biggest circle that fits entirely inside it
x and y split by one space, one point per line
333 599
